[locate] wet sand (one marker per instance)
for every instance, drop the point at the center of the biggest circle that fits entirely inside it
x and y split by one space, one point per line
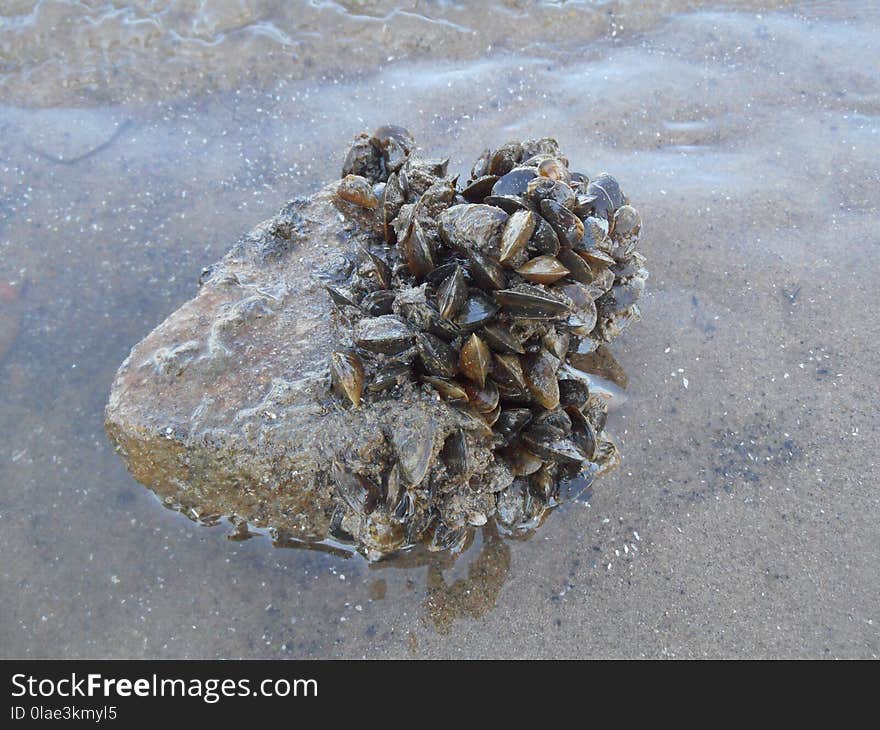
743 520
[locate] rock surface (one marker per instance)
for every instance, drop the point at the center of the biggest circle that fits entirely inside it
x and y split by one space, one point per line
225 410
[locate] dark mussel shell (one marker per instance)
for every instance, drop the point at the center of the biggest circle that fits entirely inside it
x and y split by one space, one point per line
568 227
452 294
544 239
604 195
378 302
456 453
501 339
531 304
436 356
515 182
505 158
540 373
478 189
416 249
485 271
477 311
545 188
512 421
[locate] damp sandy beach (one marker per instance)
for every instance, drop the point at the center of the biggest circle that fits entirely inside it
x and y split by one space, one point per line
139 141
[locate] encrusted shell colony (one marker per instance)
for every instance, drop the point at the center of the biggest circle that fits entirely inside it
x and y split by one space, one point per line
488 293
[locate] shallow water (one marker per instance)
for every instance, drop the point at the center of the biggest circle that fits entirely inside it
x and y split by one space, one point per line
138 141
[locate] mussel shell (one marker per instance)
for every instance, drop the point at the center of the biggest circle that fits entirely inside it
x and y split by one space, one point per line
507 370
436 356
491 416
514 395
555 168
347 376
443 537
484 398
522 461
542 484
452 294
578 269
443 272
378 302
545 188
393 198
424 317
389 375
543 441
385 334
475 359
355 490
515 182
357 190
481 166
579 182
532 304
414 448
516 234
583 311
626 222
540 374
543 147
574 393
568 227
556 422
478 189
505 158
583 433
394 144
556 342
621 296
501 339
605 194
596 258
512 421
448 389
477 311
508 203
542 270
456 453
437 198
416 250
469 227
363 159
578 485
485 271
544 239
596 413
393 488
602 283
380 268
341 297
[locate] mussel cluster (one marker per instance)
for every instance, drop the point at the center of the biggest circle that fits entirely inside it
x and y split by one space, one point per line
489 293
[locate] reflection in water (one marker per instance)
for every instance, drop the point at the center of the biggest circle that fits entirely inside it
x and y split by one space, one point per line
473 596
469 597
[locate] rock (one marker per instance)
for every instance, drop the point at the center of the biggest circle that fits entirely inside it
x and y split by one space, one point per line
225 408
